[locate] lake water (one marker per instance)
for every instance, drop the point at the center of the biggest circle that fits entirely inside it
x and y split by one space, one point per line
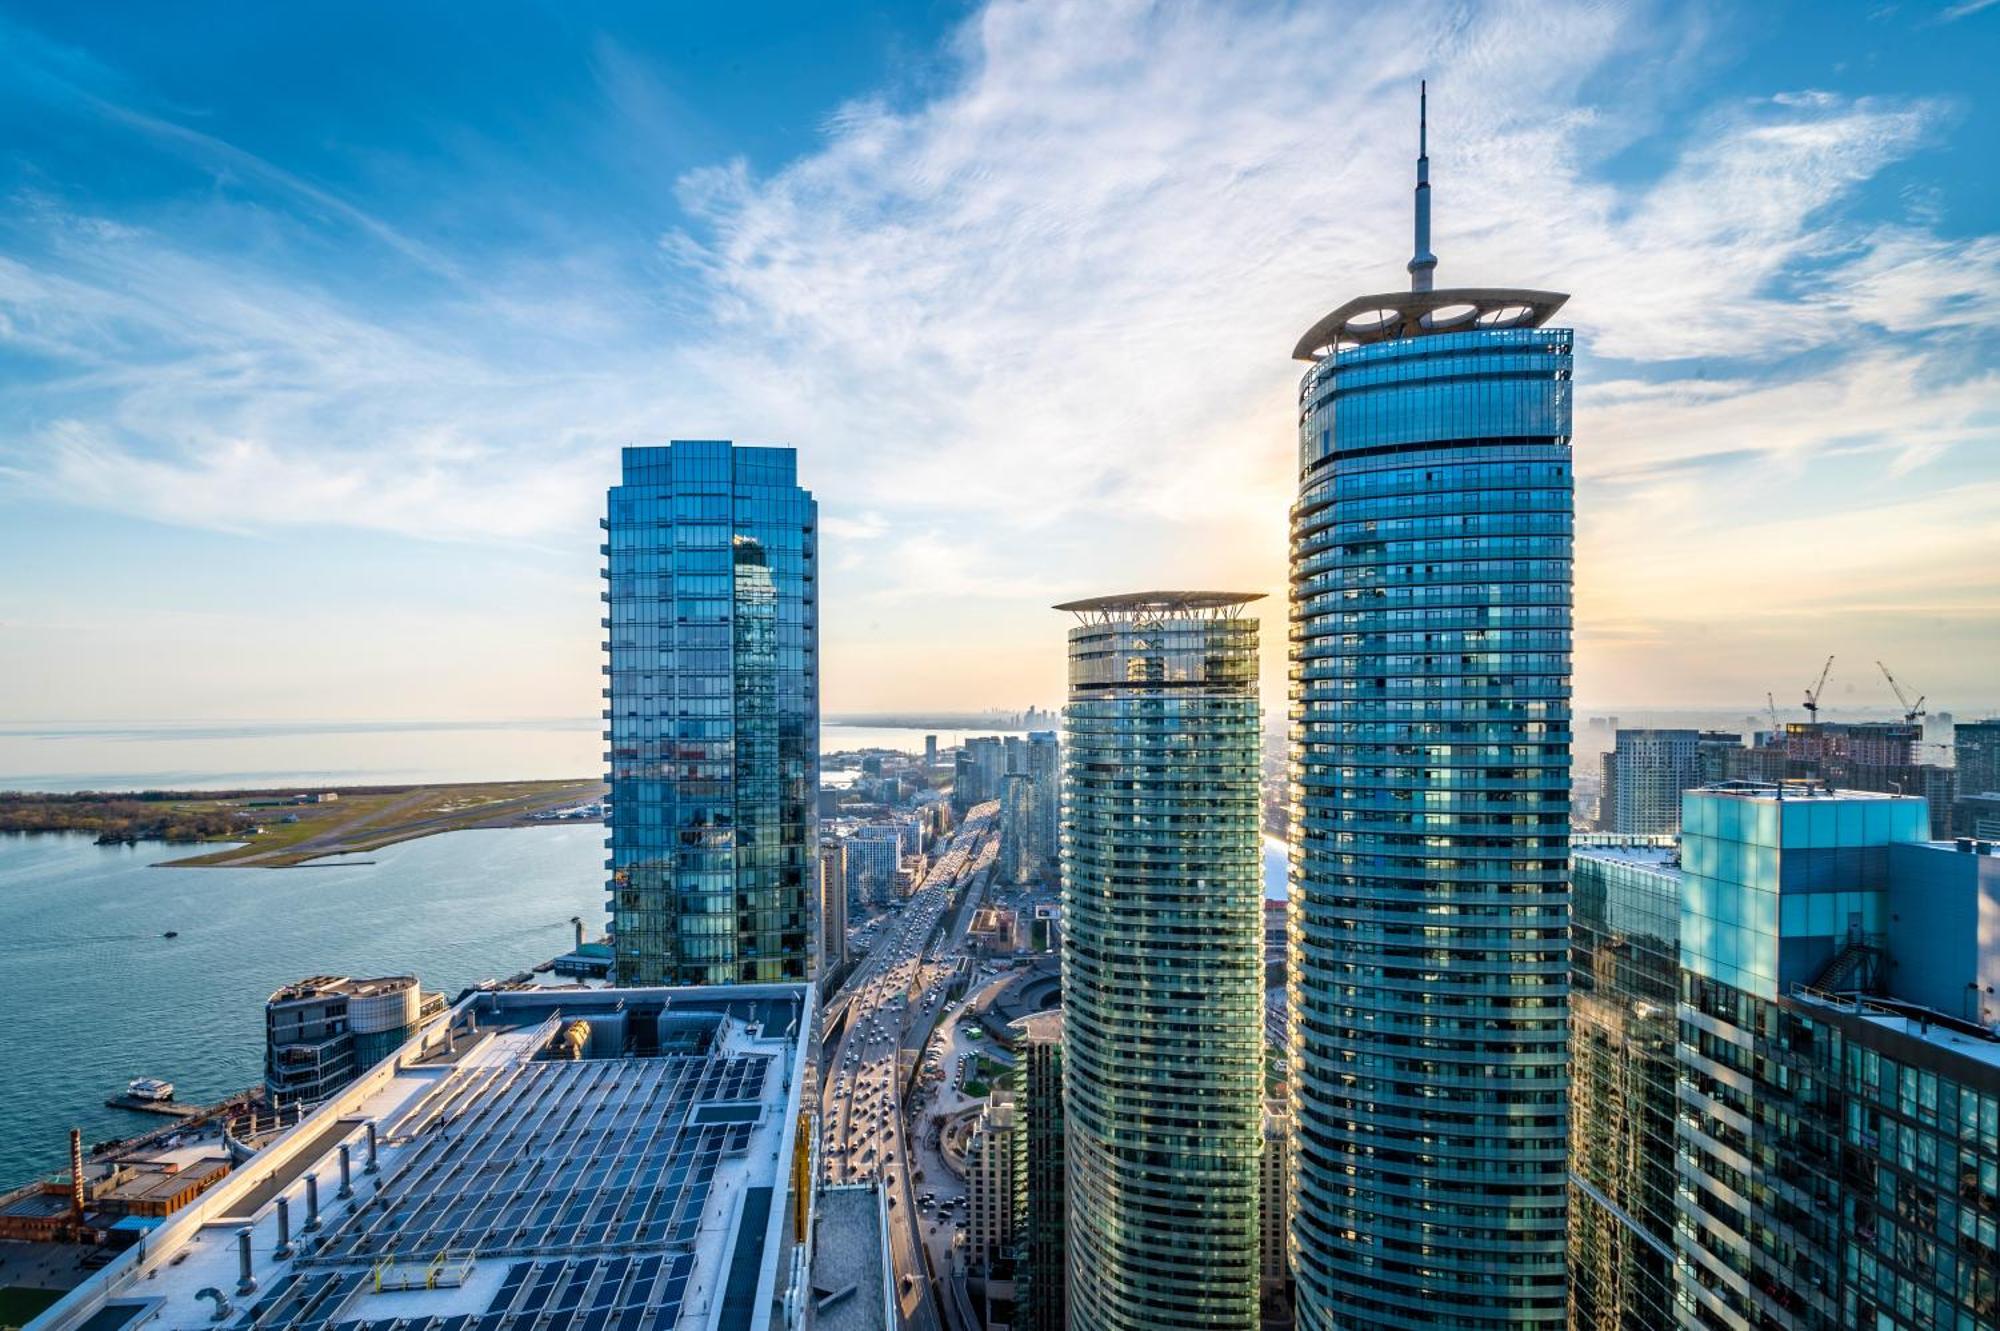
221 755
92 995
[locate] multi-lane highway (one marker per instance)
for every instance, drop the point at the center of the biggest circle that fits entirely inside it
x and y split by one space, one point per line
888 1006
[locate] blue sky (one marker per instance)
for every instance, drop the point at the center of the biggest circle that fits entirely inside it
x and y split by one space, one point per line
320 326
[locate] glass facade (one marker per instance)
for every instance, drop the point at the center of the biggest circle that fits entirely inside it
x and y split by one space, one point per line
1625 919
1041 1290
1430 733
713 723
1834 1168
1162 962
1809 870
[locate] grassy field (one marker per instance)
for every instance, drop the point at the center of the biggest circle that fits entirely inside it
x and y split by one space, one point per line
368 819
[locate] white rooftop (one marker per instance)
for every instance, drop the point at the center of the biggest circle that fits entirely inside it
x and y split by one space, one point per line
643 1186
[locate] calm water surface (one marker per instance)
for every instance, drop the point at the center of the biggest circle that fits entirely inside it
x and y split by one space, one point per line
222 755
91 995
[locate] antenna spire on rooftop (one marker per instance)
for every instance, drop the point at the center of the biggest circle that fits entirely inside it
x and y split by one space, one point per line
1423 261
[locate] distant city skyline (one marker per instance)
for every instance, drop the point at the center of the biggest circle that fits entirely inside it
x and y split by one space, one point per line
312 369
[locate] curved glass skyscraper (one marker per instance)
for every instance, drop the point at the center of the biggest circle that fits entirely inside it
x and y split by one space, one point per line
1430 651
1162 963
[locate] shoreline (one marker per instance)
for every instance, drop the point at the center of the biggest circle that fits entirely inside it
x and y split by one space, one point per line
285 827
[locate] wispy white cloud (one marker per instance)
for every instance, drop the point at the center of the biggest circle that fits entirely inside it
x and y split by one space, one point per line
1030 329
1965 9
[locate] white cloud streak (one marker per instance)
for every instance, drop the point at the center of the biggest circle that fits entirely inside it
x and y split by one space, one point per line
1054 300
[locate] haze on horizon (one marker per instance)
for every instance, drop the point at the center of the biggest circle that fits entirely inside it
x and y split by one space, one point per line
320 331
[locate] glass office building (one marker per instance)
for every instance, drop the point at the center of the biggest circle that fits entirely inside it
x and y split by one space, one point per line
1162 963
713 719
1624 961
1430 734
1839 1134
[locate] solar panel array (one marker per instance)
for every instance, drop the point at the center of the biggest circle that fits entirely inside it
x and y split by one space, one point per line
597 1168
592 1294
534 1159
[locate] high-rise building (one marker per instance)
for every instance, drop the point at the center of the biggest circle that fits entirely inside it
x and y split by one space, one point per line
1625 931
1430 729
930 750
995 1185
1162 963
326 1030
1839 1135
1652 768
1041 1284
1274 1206
1045 766
1976 745
1017 827
976 773
713 723
1712 748
833 904
874 853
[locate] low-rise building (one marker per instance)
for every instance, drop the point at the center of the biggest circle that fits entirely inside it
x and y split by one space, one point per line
624 1159
853 1273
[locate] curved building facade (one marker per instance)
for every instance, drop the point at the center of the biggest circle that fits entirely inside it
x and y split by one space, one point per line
1162 964
1430 730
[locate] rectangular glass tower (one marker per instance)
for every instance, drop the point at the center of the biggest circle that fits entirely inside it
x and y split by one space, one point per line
1162 963
713 723
1624 980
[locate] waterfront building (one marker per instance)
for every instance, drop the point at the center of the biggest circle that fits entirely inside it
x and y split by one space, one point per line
1650 770
1624 967
1017 828
833 904
1430 737
1045 767
1838 1145
628 1158
930 751
1041 1283
1162 963
325 1030
713 722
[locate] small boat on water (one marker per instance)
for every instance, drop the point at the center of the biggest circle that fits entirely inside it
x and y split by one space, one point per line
149 1088
171 933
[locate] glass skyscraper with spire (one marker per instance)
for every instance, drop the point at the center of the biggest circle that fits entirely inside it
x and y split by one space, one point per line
1430 733
712 726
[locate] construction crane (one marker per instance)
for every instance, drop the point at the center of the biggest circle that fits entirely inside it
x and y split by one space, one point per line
1813 693
1912 711
1777 727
